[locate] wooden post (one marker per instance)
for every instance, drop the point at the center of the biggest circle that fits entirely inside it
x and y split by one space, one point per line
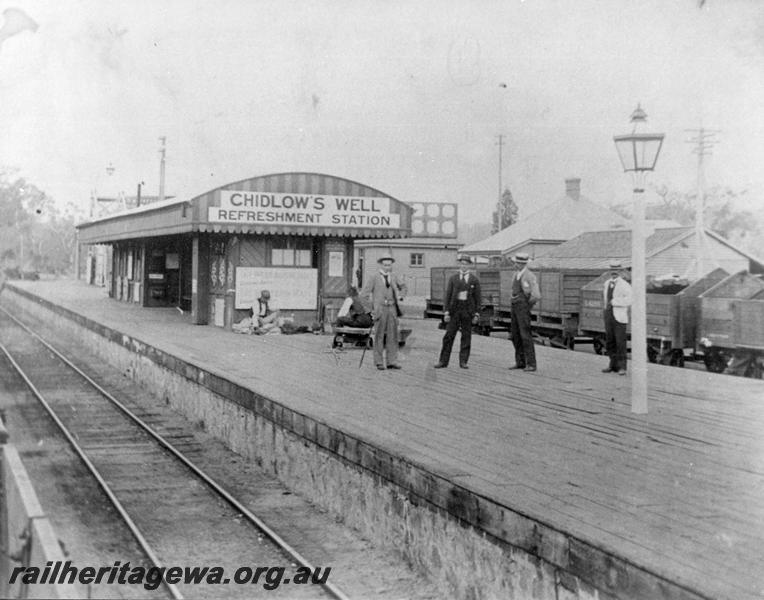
200 276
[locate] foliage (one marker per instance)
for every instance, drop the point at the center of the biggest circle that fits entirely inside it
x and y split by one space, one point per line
35 235
508 212
721 213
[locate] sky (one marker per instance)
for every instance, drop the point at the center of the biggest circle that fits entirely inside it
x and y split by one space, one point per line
407 97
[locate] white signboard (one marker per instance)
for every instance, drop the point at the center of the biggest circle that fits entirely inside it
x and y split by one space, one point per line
336 264
261 208
291 289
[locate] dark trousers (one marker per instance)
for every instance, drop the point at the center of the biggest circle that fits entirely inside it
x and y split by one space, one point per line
522 338
615 341
461 320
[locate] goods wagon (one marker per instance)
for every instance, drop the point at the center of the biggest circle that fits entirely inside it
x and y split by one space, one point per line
671 307
731 324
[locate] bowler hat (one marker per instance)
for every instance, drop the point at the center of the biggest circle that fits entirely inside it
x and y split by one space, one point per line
464 259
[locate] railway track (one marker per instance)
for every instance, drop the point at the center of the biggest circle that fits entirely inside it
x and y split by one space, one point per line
177 513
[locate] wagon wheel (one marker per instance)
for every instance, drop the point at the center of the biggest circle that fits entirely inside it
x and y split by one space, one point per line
569 341
677 358
599 345
715 360
754 369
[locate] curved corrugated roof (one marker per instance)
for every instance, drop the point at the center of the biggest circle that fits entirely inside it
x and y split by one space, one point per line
174 217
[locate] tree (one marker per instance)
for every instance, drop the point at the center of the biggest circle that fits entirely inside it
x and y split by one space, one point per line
720 214
34 233
508 212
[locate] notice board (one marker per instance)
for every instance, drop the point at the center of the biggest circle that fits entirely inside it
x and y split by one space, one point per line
291 289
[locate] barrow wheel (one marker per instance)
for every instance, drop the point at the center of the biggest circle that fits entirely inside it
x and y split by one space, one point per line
599 345
715 361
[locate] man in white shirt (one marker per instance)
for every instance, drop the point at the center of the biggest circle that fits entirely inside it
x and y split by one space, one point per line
353 313
616 301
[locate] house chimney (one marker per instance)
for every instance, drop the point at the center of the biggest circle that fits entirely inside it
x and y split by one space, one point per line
573 187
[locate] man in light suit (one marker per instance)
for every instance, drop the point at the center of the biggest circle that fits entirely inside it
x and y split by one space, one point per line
462 311
525 293
385 291
616 297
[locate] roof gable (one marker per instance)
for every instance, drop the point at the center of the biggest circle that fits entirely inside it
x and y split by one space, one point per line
594 249
559 221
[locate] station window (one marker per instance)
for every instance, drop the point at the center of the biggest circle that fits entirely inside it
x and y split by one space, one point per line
291 252
417 259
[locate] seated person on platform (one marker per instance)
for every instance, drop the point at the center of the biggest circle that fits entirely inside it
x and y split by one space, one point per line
353 313
265 315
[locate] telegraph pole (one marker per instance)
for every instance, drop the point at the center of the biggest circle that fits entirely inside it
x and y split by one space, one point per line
499 207
703 141
162 140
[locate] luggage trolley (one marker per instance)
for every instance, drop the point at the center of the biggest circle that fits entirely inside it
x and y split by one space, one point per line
359 337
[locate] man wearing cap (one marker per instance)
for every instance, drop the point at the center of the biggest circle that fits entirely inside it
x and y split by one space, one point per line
616 300
385 291
462 311
264 313
525 293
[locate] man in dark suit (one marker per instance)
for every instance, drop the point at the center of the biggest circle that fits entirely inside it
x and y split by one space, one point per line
462 311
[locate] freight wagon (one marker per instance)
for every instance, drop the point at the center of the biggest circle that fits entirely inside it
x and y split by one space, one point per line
731 325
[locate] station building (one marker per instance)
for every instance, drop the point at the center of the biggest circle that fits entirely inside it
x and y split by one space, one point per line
290 233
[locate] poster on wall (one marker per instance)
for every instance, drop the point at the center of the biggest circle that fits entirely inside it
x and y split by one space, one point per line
130 264
291 289
336 264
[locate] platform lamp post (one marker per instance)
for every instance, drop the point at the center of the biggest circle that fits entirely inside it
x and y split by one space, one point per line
638 153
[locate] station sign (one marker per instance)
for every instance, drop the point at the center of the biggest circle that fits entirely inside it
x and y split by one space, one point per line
270 208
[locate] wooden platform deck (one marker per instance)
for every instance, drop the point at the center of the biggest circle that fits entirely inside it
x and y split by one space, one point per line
678 492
